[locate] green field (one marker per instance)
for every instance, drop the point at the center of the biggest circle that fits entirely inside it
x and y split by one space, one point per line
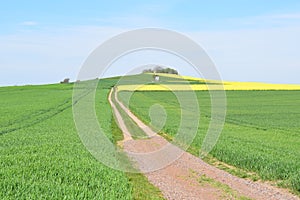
261 133
42 156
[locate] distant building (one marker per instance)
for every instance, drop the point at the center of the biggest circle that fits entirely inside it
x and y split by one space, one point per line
156 77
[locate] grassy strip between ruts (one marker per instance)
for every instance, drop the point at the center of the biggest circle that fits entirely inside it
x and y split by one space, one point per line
135 131
226 190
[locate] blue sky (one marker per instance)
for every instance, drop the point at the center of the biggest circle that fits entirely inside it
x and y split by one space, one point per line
44 42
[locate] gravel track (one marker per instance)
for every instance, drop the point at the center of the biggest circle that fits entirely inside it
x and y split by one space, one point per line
180 175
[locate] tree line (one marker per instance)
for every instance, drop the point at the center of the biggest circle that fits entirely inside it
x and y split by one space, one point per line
159 69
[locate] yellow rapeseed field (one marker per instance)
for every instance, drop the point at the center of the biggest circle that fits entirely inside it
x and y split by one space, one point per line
213 85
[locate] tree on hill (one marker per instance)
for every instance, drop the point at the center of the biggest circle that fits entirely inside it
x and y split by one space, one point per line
66 80
159 69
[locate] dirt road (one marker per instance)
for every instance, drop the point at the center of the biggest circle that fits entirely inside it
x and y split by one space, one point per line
188 177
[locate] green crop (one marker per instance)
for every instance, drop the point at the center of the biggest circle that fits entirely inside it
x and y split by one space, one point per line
42 157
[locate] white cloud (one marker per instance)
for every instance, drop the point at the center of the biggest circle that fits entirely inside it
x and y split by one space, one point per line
29 23
48 55
290 16
131 21
265 21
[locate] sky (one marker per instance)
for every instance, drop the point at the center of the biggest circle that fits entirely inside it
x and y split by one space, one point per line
248 40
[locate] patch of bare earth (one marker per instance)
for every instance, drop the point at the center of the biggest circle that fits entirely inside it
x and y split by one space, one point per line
180 175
